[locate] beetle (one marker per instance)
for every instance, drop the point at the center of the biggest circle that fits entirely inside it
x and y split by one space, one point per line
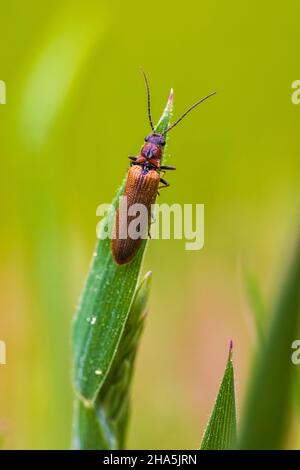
141 187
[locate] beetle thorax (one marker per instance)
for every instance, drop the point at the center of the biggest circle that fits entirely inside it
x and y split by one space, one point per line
151 151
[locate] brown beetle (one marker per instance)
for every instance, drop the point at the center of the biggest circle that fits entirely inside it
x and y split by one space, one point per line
141 189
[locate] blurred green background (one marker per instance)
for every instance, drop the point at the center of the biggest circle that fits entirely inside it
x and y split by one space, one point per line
76 107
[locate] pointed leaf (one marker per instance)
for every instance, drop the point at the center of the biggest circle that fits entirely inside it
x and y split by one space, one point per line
220 433
104 306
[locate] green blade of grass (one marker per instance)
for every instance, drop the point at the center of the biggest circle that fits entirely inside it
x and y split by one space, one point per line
104 306
114 397
220 433
90 429
102 314
103 424
267 405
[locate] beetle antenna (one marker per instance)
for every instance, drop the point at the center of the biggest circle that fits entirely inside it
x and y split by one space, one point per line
148 98
188 111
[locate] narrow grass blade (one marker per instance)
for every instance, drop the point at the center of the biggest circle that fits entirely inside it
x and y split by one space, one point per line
90 429
266 411
114 397
220 433
103 424
104 306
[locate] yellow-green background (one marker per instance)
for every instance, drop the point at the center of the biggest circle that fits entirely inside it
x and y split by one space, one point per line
75 109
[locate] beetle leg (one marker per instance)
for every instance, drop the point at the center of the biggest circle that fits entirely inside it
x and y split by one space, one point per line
166 167
132 158
165 183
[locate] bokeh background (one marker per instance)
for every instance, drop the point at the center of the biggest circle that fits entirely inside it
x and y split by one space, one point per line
76 107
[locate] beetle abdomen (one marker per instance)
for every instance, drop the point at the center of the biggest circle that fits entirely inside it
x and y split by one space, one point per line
132 222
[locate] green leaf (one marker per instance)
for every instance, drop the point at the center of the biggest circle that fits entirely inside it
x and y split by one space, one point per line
220 433
103 424
104 305
267 406
106 330
90 429
114 397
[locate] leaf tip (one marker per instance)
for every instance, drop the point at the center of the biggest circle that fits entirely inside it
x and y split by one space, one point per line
230 349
